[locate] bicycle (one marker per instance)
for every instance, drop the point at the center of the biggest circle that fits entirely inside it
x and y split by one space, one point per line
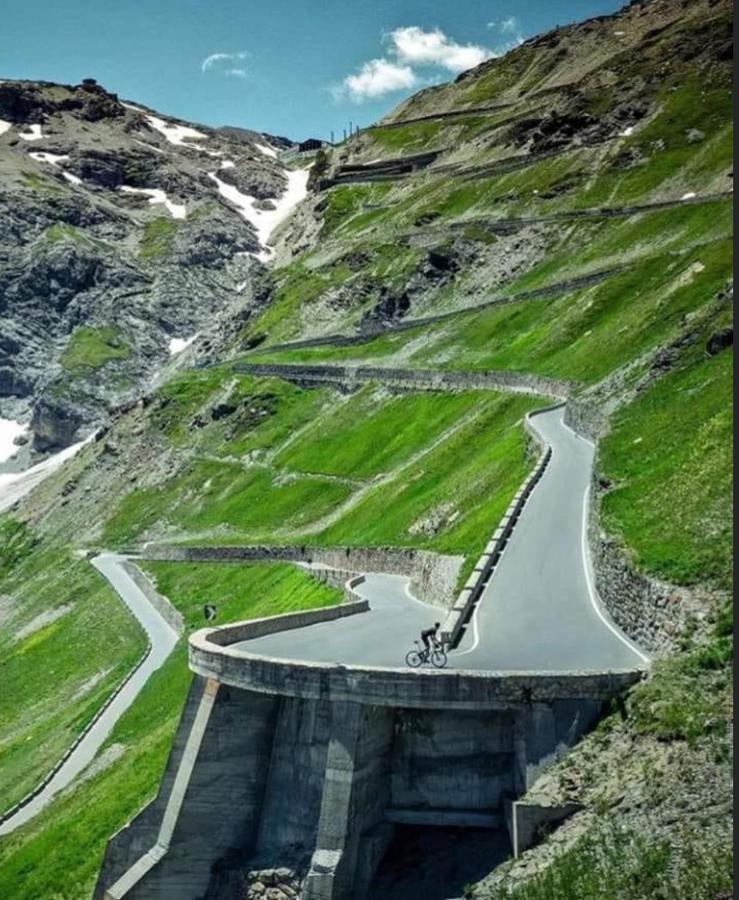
437 657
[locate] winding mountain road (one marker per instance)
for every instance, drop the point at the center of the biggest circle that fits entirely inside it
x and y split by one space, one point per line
162 638
538 612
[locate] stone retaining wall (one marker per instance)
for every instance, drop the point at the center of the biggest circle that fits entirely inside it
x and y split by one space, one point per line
368 334
651 612
433 576
350 377
171 615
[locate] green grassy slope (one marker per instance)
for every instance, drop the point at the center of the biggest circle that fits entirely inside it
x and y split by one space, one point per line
219 457
373 467
669 455
65 644
57 855
658 127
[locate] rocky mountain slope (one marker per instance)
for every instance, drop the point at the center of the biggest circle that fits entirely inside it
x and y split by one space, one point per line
467 187
123 234
565 212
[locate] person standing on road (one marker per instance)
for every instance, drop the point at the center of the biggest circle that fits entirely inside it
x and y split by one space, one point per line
427 634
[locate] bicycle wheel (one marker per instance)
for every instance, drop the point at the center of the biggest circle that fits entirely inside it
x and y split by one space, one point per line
438 659
413 659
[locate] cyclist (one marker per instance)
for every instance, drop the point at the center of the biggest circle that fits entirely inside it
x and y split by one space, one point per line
429 634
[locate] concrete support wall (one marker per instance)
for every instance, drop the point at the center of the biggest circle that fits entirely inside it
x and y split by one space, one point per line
210 804
141 833
264 781
355 796
452 761
292 802
527 821
543 732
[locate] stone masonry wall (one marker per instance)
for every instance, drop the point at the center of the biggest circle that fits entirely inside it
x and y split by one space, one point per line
434 576
349 377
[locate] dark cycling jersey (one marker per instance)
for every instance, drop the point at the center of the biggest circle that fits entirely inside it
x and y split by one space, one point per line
428 632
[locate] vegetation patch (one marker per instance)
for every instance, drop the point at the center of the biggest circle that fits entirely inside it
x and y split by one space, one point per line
92 348
374 432
237 590
669 454
620 864
689 695
59 674
157 238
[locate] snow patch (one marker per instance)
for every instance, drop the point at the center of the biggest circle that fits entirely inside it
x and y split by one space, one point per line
9 431
14 485
5 126
179 135
52 158
266 150
266 220
688 196
155 195
627 131
227 164
32 133
175 134
177 345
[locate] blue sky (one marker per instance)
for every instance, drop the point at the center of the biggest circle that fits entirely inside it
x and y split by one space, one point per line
289 67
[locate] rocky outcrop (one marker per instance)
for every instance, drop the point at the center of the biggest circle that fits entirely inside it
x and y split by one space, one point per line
86 267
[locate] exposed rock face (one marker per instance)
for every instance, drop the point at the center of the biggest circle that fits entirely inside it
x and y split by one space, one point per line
272 884
114 239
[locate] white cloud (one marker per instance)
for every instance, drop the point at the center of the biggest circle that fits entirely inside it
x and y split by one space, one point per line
509 30
414 46
375 79
216 59
409 49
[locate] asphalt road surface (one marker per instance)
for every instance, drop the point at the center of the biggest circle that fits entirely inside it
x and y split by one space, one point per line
538 612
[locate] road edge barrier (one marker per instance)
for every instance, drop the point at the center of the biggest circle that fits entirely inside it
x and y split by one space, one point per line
468 598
